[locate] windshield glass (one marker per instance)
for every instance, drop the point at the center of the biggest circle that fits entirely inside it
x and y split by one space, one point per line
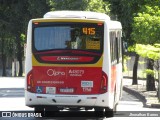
78 36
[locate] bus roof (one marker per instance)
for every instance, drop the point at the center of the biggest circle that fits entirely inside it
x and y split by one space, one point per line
76 14
115 25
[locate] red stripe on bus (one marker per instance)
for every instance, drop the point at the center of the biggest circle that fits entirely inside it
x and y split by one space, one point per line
67 51
67 80
66 58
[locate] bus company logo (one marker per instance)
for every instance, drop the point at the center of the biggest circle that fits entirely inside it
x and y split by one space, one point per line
67 58
53 72
77 73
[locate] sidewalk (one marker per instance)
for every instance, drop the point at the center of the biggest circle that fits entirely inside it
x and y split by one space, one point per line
149 98
11 82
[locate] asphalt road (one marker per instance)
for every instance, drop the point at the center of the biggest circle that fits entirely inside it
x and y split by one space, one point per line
12 100
11 92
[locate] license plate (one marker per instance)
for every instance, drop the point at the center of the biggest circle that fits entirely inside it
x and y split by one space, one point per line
66 90
86 84
50 90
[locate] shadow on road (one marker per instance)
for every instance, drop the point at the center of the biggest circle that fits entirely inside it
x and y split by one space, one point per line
12 92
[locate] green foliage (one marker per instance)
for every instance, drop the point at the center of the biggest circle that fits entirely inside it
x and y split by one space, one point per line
23 39
37 8
67 4
15 15
84 5
148 51
124 10
146 26
131 48
97 6
126 58
149 72
141 62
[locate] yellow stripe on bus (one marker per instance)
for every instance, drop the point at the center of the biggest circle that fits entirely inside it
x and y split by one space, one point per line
67 20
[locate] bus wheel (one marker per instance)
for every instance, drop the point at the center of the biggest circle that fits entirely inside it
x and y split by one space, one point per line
50 111
109 112
99 112
39 110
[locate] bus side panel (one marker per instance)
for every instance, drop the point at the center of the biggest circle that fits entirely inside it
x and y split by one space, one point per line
113 77
119 83
28 59
107 66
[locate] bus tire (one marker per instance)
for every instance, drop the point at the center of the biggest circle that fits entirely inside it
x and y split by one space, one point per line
39 109
99 112
50 111
109 112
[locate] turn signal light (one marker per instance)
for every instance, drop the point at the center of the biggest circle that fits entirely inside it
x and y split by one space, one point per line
104 83
30 82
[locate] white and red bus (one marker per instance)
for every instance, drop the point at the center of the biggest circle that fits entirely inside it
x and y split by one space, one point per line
73 60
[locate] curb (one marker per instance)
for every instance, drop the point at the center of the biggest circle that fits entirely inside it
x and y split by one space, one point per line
155 105
140 97
135 93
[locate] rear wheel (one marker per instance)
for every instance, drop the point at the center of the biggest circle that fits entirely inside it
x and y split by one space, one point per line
40 110
99 112
50 111
109 112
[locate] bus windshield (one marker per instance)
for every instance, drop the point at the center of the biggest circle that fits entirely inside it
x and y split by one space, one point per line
72 36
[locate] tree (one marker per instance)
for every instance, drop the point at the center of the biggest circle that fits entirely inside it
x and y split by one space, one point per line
3 55
151 52
15 14
85 5
37 8
98 6
124 10
146 29
6 39
131 49
18 15
135 67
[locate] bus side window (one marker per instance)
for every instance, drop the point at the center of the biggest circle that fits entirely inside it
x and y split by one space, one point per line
113 47
111 51
119 47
